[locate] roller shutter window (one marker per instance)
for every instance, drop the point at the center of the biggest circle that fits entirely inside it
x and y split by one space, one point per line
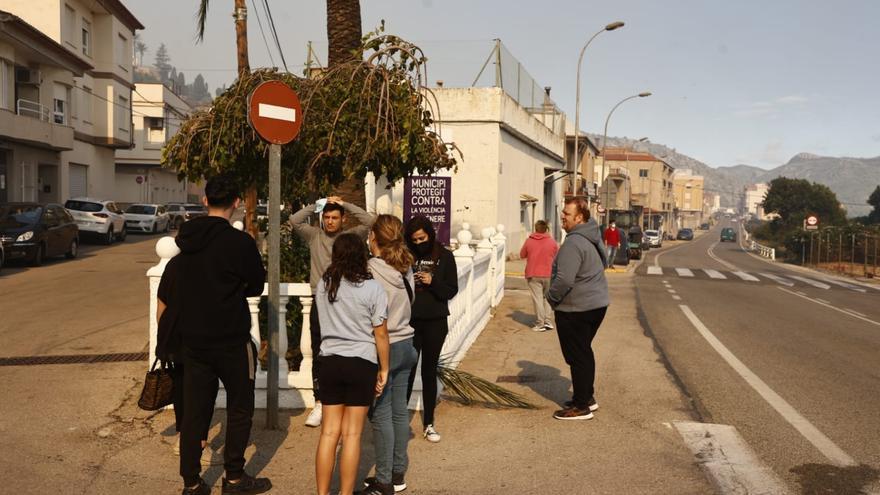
79 181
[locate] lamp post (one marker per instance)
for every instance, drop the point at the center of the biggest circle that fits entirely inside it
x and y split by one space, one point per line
577 102
605 138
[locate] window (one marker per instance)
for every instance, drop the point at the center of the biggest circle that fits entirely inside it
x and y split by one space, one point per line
86 104
4 84
86 37
59 109
643 172
68 25
123 57
121 114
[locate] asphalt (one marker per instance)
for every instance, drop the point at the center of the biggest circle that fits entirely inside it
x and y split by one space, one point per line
75 428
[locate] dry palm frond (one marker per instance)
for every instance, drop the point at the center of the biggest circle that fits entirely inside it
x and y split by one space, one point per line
473 389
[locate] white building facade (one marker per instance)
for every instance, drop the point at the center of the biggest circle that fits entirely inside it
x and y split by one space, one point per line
754 197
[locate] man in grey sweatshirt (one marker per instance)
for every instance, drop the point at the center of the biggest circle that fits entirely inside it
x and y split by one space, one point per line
579 296
320 239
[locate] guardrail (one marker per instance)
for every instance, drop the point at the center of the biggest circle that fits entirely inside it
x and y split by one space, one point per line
480 288
766 252
33 109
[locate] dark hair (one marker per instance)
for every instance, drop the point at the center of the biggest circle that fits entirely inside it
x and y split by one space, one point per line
348 261
416 224
221 191
582 207
333 207
541 226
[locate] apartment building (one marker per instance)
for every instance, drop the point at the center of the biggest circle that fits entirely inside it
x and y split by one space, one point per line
650 184
93 102
753 198
158 114
689 192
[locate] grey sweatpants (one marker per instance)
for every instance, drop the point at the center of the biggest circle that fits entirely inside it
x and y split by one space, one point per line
538 287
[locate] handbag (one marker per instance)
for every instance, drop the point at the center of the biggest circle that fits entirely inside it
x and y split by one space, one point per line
158 390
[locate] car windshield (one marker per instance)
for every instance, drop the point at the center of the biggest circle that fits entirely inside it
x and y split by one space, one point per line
141 210
13 217
89 206
728 231
194 208
686 231
651 233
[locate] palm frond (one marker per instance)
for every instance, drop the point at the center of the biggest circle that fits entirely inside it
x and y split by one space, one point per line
472 389
201 19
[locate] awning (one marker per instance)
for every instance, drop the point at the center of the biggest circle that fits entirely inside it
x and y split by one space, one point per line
525 198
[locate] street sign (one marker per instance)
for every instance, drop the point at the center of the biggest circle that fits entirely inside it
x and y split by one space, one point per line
139 179
274 111
600 209
811 222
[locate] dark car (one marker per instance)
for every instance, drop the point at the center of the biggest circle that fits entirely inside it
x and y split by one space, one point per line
728 234
685 235
33 232
704 226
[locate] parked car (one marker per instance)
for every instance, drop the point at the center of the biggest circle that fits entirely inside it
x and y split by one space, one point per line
704 226
685 235
147 218
181 212
654 238
98 217
728 234
34 232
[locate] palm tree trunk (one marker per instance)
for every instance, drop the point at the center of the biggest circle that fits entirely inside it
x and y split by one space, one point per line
241 43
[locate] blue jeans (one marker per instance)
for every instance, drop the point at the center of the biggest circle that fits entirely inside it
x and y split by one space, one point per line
612 253
390 416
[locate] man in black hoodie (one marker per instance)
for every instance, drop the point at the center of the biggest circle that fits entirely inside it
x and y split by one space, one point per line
206 286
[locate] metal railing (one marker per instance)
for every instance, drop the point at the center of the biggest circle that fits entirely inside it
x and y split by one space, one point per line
32 109
766 252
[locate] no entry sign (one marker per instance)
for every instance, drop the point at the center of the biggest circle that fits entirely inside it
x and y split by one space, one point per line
811 222
274 112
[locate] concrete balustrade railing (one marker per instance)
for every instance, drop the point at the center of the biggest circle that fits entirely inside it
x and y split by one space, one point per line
481 288
766 252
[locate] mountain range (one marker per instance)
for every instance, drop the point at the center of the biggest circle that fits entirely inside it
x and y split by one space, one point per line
851 179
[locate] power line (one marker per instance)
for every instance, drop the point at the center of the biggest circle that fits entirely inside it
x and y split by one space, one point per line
262 33
275 33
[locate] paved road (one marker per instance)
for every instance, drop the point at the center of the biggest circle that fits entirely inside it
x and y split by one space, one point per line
788 357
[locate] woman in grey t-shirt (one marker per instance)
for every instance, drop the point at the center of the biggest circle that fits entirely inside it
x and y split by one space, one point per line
353 309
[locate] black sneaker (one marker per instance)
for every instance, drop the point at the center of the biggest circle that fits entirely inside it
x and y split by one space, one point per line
372 486
593 405
247 484
201 489
573 413
397 480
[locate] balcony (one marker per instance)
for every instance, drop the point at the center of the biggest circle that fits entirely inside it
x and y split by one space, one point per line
31 124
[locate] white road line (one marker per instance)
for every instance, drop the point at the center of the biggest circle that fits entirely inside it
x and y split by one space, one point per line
827 305
655 270
728 460
657 258
856 312
844 284
824 444
714 274
823 301
777 279
684 272
677 298
671 291
802 293
711 253
809 281
745 276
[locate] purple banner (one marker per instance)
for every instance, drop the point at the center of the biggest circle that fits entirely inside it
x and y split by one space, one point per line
430 197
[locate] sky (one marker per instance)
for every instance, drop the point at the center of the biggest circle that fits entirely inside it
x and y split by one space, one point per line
744 82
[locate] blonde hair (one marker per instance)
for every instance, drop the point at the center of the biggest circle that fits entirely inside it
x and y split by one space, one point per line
388 234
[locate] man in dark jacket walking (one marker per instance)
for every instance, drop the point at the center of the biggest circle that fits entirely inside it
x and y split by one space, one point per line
579 295
207 285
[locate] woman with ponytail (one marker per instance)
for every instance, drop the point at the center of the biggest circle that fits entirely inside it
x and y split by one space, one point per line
436 279
391 266
352 308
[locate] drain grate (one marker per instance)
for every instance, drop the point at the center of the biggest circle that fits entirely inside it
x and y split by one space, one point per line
516 379
73 359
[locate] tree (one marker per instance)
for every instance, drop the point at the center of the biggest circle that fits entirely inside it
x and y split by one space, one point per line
162 62
140 48
794 199
181 82
874 200
199 91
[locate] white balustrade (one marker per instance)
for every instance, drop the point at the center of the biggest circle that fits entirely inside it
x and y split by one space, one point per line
765 251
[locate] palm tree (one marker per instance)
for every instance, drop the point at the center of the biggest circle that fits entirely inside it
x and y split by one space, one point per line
140 48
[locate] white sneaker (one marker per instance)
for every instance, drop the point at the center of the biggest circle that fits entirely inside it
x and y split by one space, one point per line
549 327
539 328
431 434
314 419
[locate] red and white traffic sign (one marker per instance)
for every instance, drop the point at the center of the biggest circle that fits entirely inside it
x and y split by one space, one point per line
274 112
600 209
811 222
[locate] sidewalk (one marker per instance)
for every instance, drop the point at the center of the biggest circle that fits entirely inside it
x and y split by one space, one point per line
629 448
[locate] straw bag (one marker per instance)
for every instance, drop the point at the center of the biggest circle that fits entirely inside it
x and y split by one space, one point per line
158 389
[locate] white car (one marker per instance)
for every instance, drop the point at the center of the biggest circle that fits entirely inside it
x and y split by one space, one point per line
654 238
147 218
98 216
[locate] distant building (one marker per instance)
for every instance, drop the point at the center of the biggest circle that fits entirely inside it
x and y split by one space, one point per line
588 174
688 191
650 183
140 178
753 197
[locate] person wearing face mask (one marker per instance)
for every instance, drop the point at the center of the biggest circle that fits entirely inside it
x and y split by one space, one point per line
612 242
333 211
436 277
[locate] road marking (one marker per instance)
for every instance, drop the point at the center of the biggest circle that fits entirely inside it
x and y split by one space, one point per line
671 291
777 279
827 305
745 276
655 270
684 272
823 301
802 293
276 112
657 258
711 253
856 312
714 274
844 284
818 285
728 460
824 444
677 298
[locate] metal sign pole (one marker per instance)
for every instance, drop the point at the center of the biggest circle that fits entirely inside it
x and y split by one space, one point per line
275 325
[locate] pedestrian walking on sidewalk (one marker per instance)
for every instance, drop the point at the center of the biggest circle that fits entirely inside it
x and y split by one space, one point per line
391 266
579 296
333 211
539 250
353 308
612 238
436 279
209 282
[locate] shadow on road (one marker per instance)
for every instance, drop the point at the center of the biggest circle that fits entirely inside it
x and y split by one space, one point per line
526 319
545 381
825 479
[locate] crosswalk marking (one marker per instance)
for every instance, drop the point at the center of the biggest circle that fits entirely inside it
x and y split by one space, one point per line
778 280
846 285
655 270
809 281
745 276
714 274
684 272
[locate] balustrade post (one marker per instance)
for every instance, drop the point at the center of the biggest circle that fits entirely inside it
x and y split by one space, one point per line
487 246
465 255
305 339
254 308
283 368
166 249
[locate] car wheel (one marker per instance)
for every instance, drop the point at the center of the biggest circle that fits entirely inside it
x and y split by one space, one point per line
108 239
73 251
37 260
123 234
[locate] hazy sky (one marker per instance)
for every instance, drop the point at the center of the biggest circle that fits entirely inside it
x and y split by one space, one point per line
742 81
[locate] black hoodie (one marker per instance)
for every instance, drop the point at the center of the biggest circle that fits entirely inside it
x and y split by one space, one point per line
205 286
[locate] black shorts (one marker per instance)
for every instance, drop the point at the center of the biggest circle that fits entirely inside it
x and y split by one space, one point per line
349 381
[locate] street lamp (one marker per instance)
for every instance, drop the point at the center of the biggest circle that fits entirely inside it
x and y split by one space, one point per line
577 102
605 138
